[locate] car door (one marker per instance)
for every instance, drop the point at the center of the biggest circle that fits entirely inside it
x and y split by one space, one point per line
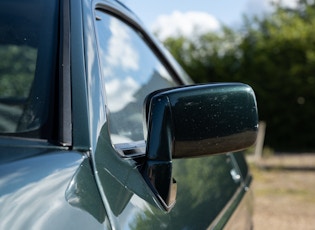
124 65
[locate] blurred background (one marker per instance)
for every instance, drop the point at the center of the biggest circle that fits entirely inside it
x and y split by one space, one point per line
269 45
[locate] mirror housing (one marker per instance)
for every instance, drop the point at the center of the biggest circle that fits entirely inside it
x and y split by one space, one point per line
194 121
201 120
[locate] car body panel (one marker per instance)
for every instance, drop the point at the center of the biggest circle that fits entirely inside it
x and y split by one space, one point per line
46 188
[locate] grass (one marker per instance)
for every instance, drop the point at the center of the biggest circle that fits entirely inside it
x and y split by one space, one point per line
284 187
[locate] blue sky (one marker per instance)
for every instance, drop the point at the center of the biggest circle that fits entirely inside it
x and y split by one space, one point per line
227 11
176 12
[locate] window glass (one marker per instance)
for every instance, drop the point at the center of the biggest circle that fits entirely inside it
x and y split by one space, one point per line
131 71
28 49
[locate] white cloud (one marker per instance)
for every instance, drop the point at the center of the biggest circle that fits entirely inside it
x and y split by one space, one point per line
259 7
121 52
287 3
186 24
121 92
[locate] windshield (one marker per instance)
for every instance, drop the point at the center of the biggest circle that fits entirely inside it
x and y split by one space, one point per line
28 49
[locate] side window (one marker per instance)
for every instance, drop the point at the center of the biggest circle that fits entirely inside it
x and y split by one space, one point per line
28 55
131 70
17 71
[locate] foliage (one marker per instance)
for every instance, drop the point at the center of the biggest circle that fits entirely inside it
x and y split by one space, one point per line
276 56
17 70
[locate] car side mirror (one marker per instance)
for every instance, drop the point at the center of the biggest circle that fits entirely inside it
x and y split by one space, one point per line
193 121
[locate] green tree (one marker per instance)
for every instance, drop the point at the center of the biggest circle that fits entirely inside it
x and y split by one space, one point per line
276 56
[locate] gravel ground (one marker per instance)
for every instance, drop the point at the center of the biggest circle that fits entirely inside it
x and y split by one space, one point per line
284 191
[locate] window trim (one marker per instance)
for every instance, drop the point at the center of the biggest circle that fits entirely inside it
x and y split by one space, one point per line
64 97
